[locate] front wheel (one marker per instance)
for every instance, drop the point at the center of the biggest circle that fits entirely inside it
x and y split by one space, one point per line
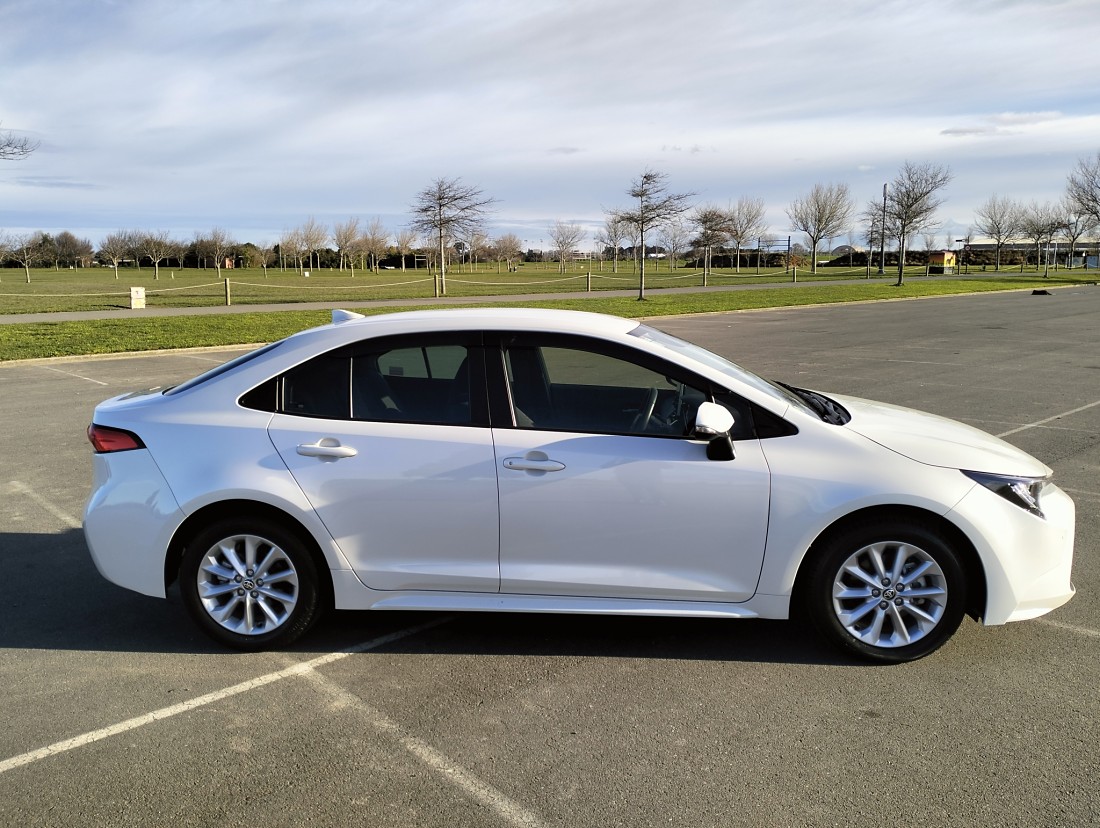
889 592
249 584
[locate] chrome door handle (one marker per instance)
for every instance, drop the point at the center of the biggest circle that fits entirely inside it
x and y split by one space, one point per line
327 447
530 464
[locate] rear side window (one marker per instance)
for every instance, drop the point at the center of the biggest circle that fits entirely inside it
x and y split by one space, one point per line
431 382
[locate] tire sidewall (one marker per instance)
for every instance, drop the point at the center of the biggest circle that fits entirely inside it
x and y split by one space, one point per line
305 609
832 555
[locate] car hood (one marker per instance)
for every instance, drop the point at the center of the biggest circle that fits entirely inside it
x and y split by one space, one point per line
937 441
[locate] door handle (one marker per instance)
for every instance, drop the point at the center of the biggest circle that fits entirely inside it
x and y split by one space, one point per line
532 464
326 447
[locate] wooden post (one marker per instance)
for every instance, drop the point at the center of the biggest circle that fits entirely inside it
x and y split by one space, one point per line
228 298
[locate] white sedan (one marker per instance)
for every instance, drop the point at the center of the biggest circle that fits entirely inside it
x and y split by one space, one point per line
552 461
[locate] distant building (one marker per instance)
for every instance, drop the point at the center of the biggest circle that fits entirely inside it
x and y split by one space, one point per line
941 261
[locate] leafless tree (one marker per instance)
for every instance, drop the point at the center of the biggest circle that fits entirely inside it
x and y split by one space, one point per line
404 242
26 248
565 238
158 246
344 236
745 223
999 219
314 236
375 241
612 236
712 229
221 247
654 206
114 248
135 239
478 242
929 245
824 212
911 203
292 246
14 147
509 249
1083 186
1079 223
447 208
674 235
1040 223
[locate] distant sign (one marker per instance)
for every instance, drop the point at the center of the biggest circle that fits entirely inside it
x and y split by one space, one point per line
137 298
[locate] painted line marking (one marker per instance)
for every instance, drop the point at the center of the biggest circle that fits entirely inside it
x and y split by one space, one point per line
447 768
15 487
71 374
1071 627
1038 423
201 701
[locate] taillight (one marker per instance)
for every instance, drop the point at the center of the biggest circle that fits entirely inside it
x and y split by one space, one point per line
105 440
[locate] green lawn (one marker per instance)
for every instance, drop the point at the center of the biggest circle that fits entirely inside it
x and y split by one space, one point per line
52 339
95 289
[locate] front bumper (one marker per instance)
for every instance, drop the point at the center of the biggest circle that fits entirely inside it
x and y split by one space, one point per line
1027 559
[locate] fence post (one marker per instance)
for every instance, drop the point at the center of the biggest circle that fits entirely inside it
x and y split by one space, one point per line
794 273
228 298
588 276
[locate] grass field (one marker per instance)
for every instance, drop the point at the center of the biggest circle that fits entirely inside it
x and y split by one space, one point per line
116 335
96 289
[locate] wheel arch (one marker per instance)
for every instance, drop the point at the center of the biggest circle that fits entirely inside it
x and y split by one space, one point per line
241 508
972 564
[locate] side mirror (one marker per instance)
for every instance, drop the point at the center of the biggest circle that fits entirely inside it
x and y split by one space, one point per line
713 423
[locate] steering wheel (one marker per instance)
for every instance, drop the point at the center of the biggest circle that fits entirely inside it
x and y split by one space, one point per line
645 413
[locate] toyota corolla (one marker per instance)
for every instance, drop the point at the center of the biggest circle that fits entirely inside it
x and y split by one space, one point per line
552 461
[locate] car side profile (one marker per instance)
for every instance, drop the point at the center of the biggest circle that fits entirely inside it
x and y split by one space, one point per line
555 461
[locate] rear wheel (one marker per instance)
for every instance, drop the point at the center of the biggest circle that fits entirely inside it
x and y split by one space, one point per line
888 592
249 584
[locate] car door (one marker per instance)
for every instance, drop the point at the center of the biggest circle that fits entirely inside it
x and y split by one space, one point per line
390 442
603 494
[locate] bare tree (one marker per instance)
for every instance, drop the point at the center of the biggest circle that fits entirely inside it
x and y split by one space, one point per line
114 248
711 226
1040 223
374 242
999 219
911 203
292 246
479 243
565 238
135 239
1079 223
404 241
344 236
221 247
313 237
445 209
745 223
26 248
824 212
674 235
158 246
508 248
14 147
655 206
929 245
1083 186
612 235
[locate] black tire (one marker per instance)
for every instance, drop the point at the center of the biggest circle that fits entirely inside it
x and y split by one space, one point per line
858 605
267 605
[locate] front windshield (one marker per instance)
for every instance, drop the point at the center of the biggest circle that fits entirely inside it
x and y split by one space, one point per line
719 363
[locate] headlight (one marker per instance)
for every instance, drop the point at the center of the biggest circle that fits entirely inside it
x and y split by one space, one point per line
1024 492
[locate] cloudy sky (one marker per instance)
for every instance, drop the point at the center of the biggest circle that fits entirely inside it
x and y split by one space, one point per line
253 115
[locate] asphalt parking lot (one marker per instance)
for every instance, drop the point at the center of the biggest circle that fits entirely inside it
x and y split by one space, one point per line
118 712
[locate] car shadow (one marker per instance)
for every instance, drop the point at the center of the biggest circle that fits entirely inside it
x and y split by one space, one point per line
53 598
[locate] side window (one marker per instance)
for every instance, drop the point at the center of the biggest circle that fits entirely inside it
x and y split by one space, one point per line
575 389
318 388
423 384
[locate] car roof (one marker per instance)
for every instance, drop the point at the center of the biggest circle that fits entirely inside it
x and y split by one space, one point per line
534 319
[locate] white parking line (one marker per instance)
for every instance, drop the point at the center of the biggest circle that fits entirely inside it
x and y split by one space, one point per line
201 701
1072 628
15 487
71 374
447 768
1038 423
